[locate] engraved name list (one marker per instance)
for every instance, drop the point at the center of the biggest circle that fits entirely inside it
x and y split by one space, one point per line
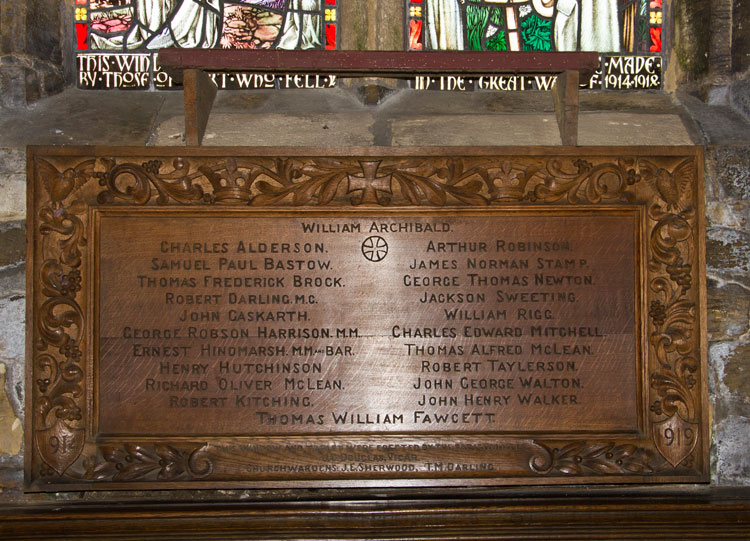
480 322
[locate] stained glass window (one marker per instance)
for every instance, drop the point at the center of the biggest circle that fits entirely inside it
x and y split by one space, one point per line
611 27
115 39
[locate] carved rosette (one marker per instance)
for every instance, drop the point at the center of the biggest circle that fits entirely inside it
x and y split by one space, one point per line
665 186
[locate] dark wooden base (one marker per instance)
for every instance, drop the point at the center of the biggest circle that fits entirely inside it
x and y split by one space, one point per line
580 513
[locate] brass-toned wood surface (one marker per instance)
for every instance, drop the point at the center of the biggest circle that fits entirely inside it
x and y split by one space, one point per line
74 190
438 337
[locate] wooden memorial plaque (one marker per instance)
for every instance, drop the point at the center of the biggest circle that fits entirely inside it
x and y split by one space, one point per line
365 317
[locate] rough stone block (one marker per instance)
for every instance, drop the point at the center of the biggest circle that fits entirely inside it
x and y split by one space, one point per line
11 427
12 183
12 314
12 25
12 196
24 80
731 440
11 478
470 130
730 366
728 311
276 130
728 255
737 371
13 86
12 160
12 349
44 30
739 92
600 128
730 214
730 167
12 244
50 77
740 36
692 35
13 281
720 57
354 27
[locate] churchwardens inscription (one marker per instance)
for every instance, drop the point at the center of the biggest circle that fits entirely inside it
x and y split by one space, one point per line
250 323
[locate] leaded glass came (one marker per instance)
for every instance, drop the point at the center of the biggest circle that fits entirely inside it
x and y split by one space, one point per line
129 31
611 27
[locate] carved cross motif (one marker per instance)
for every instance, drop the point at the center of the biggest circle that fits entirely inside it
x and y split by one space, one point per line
369 184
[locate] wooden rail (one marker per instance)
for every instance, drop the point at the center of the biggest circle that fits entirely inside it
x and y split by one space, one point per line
190 66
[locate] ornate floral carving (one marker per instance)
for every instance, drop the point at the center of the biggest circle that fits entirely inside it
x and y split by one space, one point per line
320 181
585 182
163 462
59 320
600 458
673 340
131 182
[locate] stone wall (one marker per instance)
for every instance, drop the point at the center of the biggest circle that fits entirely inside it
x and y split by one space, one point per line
728 283
32 41
12 315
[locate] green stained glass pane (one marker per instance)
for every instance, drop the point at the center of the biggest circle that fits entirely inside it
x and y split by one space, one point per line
535 32
497 42
642 31
496 16
476 22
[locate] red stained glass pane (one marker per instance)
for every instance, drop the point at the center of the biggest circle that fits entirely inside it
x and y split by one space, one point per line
331 2
655 4
655 39
81 34
416 1
81 2
415 34
330 36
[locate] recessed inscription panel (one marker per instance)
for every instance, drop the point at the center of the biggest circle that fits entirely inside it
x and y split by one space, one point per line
251 324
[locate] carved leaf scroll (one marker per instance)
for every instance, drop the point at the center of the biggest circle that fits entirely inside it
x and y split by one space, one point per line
163 462
579 457
59 320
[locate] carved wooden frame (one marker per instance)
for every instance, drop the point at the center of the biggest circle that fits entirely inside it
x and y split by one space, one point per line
66 185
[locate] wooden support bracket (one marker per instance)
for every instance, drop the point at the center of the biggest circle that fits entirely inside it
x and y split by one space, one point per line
200 92
565 94
191 65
